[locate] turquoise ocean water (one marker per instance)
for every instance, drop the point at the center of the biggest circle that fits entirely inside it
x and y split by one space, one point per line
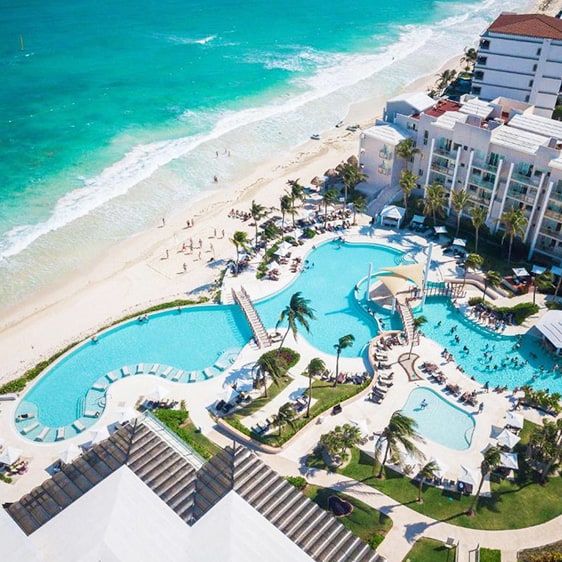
112 112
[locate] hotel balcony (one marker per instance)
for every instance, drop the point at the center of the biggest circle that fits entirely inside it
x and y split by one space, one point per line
556 195
446 170
553 216
485 166
386 154
452 154
520 197
550 244
475 180
526 180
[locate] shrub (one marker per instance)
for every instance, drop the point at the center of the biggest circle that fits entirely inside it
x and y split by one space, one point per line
309 233
375 540
287 358
520 311
5 478
473 301
298 482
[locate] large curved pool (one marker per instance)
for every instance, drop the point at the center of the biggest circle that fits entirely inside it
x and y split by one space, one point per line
439 420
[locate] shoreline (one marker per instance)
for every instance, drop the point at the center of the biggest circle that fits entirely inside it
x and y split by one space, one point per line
135 273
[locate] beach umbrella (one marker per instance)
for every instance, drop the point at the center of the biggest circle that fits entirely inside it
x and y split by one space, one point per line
10 455
467 476
158 394
283 249
509 460
514 420
228 394
441 466
126 414
508 439
70 453
100 434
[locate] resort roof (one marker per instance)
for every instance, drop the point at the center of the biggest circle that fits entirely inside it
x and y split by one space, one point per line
393 212
528 25
478 107
518 139
418 100
449 119
550 326
388 133
537 124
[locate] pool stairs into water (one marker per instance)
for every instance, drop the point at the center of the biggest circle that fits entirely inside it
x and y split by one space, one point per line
242 299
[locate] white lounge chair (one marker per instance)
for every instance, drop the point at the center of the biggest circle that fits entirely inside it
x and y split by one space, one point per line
92 414
140 369
42 434
99 386
207 374
192 376
78 426
177 375
166 372
60 434
112 376
29 428
126 372
153 369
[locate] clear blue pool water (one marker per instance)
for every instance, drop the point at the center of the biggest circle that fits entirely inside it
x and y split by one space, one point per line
509 360
440 420
329 284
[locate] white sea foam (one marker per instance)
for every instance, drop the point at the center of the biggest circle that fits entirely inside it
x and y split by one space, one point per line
334 73
190 40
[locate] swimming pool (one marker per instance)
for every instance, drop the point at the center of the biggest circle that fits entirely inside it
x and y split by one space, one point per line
490 356
439 420
185 340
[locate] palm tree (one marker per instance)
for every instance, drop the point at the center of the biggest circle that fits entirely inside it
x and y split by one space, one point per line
285 416
469 58
406 149
270 232
473 261
445 78
285 207
359 205
419 321
401 430
543 282
550 445
427 471
241 242
329 198
489 462
435 198
408 182
296 312
478 216
343 343
491 279
350 175
268 364
459 201
257 212
515 223
315 367
296 193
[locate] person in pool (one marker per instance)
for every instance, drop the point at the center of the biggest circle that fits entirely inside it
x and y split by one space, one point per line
423 404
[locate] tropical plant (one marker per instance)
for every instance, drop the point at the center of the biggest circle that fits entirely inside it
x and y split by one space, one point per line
296 193
545 446
286 415
315 368
469 57
340 440
330 197
490 460
445 78
418 322
435 200
478 216
359 205
543 282
241 242
408 182
257 213
472 261
406 149
427 472
459 201
491 279
514 223
285 206
270 232
270 364
296 312
350 174
343 343
401 430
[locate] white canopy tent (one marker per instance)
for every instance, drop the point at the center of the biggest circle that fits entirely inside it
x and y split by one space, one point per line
459 242
467 476
158 394
441 466
508 439
10 455
392 216
514 419
520 272
509 460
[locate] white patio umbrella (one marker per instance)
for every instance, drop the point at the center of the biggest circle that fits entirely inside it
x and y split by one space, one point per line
99 434
442 467
508 439
459 242
509 460
158 394
467 476
10 455
440 230
228 394
70 453
283 249
514 420
126 414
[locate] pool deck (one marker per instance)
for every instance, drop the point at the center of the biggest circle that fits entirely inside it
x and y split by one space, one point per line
407 524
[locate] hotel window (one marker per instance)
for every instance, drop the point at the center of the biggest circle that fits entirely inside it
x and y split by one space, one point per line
425 137
531 83
534 67
538 51
478 75
476 90
485 44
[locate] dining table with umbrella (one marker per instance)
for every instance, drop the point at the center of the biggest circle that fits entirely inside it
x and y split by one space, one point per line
466 480
508 439
513 419
509 460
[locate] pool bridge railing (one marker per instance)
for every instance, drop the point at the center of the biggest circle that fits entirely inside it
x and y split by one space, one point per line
451 290
407 318
242 299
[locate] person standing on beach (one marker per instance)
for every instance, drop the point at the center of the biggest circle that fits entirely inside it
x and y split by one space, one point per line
163 222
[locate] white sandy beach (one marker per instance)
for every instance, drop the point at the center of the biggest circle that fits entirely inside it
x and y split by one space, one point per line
135 273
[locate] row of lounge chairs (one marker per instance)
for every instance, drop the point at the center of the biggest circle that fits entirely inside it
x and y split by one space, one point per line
378 393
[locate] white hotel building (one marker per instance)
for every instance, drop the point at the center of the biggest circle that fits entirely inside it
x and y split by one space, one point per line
502 152
520 57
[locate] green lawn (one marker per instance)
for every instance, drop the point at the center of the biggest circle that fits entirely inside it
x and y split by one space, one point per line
490 555
364 521
513 505
428 550
179 422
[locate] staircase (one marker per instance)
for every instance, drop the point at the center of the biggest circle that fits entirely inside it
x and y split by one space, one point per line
242 299
407 321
